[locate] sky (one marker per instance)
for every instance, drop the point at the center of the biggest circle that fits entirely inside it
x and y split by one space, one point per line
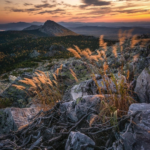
74 10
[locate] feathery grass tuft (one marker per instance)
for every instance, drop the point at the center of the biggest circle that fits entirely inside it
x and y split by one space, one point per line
47 91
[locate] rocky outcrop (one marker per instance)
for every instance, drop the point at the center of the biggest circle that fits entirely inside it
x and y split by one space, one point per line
55 50
77 109
142 88
19 97
136 135
78 141
35 53
12 78
11 119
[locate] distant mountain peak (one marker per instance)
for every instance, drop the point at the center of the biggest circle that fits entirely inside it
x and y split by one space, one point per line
49 21
54 29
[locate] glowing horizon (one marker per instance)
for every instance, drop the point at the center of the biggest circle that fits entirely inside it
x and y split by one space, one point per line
75 11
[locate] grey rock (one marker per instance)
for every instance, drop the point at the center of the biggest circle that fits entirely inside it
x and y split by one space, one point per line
75 110
12 78
136 136
55 50
138 107
13 118
26 75
69 111
89 87
35 53
142 88
19 97
77 140
147 61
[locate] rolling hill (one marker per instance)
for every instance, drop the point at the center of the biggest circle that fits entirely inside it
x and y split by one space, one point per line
108 32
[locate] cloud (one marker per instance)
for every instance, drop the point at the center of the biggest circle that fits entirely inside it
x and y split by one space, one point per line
24 10
27 4
131 11
87 10
94 3
46 5
8 2
44 1
83 17
61 11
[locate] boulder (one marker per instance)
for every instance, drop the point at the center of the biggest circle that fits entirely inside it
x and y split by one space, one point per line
55 50
142 88
136 135
75 110
77 141
138 107
19 97
11 119
147 61
12 78
89 87
35 53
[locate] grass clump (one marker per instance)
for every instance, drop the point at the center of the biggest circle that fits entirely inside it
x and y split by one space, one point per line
46 92
116 101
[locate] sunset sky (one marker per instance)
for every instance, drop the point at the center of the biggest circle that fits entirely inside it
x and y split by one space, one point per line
74 10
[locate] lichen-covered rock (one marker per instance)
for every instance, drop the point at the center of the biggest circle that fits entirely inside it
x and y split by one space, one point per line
13 118
136 135
19 97
142 88
12 78
77 141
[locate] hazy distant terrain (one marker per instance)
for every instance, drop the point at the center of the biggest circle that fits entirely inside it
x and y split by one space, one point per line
108 32
106 24
18 25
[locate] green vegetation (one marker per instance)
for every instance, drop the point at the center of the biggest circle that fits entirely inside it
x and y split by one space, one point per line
5 102
15 53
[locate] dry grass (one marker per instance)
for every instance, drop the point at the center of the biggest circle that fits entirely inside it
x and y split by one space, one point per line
118 102
115 105
47 91
73 74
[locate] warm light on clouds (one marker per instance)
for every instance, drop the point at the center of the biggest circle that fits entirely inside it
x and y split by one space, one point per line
74 10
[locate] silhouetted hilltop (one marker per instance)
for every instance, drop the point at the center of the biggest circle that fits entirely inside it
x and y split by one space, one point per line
53 29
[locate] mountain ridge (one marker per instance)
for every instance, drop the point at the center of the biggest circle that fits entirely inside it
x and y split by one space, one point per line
53 29
32 27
